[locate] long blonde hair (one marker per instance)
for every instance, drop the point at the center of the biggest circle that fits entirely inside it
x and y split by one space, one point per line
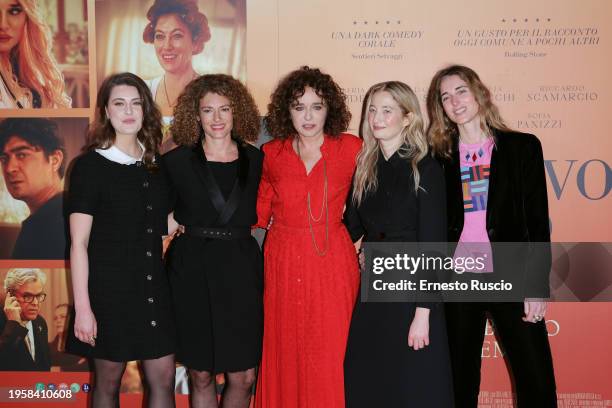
441 129
37 69
414 147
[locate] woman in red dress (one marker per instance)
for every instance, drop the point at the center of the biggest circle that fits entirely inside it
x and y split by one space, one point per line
310 268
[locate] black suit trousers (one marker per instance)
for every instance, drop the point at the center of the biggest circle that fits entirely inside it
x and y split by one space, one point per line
525 346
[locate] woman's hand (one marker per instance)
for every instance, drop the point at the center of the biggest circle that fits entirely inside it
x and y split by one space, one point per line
361 260
86 327
418 335
535 309
360 255
167 239
173 225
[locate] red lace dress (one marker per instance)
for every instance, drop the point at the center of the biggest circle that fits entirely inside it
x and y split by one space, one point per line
308 297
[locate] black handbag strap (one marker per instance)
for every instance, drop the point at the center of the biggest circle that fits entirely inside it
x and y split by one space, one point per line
224 208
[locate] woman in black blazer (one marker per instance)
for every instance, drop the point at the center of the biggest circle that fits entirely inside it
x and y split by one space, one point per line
215 267
496 192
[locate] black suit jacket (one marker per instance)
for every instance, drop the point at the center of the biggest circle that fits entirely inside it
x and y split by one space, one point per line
14 355
517 205
191 200
45 233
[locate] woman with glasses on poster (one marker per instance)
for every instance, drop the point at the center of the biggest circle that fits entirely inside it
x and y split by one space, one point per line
29 75
178 31
397 353
310 269
215 266
496 192
117 202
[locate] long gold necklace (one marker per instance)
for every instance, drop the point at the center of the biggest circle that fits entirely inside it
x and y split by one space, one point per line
172 105
324 207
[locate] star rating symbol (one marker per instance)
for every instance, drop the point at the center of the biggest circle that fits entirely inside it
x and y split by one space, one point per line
525 19
376 22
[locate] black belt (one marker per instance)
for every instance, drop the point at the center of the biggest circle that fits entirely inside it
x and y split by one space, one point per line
218 233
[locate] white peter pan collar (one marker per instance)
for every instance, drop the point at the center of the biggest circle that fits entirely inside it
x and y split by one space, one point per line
113 153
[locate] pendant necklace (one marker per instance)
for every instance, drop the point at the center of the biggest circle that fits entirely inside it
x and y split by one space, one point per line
324 208
166 90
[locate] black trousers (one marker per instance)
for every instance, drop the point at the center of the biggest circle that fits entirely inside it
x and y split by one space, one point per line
525 345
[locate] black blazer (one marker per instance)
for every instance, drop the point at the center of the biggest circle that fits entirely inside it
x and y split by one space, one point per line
14 355
189 198
45 233
517 206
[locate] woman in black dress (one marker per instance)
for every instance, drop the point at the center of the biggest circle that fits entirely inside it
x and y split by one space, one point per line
118 214
215 267
496 192
397 353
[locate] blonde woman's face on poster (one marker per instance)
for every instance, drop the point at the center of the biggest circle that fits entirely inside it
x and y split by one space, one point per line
12 24
173 44
60 318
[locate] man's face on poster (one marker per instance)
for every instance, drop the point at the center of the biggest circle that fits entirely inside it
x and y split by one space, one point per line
27 170
29 296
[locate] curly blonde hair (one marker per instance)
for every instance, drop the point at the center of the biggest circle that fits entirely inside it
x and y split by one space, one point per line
187 130
31 66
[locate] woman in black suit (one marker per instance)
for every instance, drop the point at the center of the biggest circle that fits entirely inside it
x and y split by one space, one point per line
496 192
215 267
397 353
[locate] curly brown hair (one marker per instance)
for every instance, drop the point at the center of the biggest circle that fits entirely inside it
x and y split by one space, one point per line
187 130
187 11
101 132
290 88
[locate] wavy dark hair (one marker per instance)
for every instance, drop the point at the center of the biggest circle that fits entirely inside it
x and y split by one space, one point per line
187 130
291 87
187 11
102 134
441 129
